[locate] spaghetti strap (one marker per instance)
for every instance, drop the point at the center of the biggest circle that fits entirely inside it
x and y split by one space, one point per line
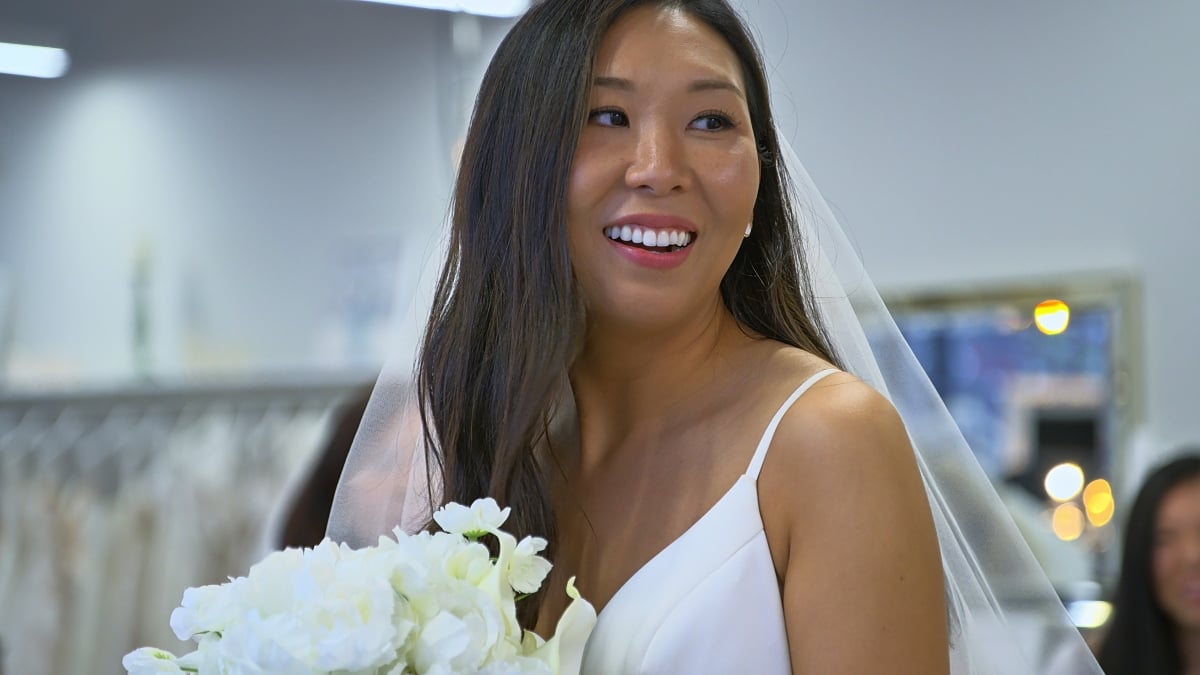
760 453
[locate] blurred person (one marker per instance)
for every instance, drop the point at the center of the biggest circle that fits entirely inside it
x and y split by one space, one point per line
308 506
1155 629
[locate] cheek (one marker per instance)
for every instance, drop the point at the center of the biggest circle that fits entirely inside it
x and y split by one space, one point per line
1162 564
590 178
580 191
589 183
1158 565
738 180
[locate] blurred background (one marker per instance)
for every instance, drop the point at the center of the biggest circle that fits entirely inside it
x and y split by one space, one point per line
204 207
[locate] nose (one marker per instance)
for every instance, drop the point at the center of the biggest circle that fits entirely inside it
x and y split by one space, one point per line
659 163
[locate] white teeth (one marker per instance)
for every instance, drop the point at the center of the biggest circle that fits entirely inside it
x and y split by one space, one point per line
655 238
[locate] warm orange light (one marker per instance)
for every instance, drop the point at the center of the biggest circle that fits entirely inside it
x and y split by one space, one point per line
1052 316
1068 521
1098 499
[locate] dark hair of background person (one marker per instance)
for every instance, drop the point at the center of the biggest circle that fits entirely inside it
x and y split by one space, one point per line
308 515
1141 637
507 320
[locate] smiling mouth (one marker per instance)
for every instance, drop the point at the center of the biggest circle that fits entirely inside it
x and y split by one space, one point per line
662 240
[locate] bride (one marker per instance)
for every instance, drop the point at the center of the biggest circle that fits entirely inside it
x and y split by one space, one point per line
650 340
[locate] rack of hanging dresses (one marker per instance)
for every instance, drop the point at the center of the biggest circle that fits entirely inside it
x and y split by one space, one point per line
113 502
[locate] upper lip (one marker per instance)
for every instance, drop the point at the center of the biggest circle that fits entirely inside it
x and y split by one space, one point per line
655 221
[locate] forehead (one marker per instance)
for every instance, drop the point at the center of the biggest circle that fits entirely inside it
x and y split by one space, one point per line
1181 504
649 43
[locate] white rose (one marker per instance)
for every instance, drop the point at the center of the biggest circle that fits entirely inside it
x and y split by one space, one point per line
440 641
411 572
466 632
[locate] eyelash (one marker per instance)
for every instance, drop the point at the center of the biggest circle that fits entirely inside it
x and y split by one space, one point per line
725 119
608 111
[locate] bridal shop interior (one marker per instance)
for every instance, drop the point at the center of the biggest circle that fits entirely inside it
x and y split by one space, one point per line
208 211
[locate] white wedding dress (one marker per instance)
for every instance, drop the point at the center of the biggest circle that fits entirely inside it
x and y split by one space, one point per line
708 602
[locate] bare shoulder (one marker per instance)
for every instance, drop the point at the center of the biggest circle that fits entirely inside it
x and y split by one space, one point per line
841 438
834 427
851 534
840 432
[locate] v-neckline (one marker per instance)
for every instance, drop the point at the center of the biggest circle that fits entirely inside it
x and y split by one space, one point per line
641 571
750 475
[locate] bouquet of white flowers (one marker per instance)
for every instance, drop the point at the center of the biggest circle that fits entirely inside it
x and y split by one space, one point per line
428 604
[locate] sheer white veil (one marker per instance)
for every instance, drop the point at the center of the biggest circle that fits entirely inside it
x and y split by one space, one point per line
1006 617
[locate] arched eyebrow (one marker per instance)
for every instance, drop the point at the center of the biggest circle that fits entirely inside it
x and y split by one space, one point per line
714 84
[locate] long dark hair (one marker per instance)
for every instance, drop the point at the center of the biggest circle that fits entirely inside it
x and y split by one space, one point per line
1141 639
507 320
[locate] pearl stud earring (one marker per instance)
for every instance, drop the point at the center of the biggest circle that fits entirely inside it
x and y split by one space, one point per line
749 226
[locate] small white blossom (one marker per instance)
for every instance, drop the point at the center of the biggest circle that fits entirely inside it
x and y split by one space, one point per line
528 570
150 661
484 516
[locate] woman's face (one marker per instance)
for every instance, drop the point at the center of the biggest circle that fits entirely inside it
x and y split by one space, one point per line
666 171
1176 556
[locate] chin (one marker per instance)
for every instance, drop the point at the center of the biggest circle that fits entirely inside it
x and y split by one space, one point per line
643 319
641 313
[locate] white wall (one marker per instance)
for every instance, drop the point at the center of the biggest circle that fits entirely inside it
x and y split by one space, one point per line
252 144
962 143
980 143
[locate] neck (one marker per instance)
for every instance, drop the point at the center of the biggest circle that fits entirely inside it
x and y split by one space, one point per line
1189 650
630 381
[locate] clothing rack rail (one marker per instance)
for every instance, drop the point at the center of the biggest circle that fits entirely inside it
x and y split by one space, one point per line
182 393
112 501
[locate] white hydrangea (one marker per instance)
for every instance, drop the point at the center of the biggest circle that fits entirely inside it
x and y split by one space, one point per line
427 604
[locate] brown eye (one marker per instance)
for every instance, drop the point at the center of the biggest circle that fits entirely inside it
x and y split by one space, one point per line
712 122
609 118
